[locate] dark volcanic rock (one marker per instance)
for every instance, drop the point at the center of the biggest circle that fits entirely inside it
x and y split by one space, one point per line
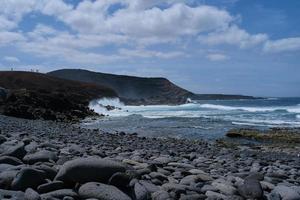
39 96
60 194
101 191
251 189
41 156
10 160
17 151
28 178
49 187
91 169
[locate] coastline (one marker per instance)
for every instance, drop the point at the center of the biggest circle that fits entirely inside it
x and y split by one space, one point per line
157 168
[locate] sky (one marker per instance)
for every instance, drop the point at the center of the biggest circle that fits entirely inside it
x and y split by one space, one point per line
249 47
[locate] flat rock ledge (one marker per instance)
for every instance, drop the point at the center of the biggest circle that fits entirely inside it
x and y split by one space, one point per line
42 160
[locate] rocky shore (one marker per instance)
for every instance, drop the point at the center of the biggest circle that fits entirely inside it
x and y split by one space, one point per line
51 160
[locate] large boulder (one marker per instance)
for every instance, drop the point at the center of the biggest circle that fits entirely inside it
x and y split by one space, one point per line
83 170
17 151
101 191
251 189
28 178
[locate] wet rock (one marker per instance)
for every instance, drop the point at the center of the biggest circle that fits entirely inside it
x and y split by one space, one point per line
101 191
28 178
84 170
41 156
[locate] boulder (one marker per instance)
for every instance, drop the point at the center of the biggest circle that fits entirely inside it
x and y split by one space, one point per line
10 160
17 151
83 170
101 191
251 189
60 194
28 178
49 187
6 178
41 156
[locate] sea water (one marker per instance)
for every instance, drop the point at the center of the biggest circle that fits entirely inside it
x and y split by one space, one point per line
197 119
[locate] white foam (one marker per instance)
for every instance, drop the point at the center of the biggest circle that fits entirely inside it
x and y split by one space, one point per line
292 109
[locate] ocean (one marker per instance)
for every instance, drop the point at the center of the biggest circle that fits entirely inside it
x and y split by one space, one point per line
209 119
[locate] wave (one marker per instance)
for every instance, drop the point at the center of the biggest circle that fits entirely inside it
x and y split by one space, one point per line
291 109
272 123
99 105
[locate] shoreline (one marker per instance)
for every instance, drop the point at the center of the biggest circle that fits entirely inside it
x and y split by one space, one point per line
156 168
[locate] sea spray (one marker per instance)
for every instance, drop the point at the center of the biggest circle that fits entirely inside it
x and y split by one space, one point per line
100 105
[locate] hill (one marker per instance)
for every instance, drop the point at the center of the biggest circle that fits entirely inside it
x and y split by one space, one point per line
35 95
131 90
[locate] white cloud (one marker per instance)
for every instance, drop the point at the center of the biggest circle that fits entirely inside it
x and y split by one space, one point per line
282 45
142 53
217 57
7 37
11 59
233 36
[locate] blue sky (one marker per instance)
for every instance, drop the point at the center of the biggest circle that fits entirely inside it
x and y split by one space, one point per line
207 46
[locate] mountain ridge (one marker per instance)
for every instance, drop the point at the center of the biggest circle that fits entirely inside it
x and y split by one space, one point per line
131 89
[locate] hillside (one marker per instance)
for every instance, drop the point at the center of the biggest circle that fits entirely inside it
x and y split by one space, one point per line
35 95
132 90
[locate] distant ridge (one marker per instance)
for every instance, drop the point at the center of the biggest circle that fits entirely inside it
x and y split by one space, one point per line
131 89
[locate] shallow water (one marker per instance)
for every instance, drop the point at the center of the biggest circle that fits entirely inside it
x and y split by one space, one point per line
200 119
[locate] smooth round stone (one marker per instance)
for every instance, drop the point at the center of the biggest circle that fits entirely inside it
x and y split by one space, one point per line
10 160
161 195
286 193
101 191
120 179
13 195
41 156
28 178
225 188
30 194
251 189
4 167
17 151
60 194
49 187
140 192
6 178
83 170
